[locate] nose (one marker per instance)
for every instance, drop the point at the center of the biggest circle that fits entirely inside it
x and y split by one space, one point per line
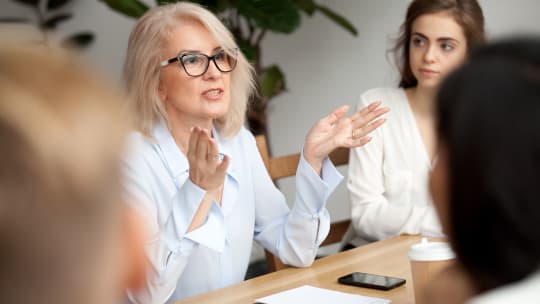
430 54
212 71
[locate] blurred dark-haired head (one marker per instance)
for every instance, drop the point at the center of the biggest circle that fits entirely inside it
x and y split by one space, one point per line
489 130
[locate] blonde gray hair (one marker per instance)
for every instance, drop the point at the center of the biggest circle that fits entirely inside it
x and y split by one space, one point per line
142 65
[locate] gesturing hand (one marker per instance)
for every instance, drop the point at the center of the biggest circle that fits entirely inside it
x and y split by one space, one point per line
206 170
335 131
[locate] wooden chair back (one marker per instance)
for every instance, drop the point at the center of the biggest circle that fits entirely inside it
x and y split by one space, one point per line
285 166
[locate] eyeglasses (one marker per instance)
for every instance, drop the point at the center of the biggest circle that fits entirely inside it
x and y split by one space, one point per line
196 64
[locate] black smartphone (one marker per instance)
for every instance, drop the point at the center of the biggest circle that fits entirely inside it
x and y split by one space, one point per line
369 280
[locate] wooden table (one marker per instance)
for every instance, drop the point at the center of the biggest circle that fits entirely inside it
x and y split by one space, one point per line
388 257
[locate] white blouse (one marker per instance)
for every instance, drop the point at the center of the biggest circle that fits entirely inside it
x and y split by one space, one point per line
388 177
215 255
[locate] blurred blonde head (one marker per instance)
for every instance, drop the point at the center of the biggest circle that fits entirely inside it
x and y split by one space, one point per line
142 66
62 132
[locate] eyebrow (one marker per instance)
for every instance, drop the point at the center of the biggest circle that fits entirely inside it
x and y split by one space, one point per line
217 48
438 39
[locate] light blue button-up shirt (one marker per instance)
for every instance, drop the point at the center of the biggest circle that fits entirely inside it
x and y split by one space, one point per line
217 254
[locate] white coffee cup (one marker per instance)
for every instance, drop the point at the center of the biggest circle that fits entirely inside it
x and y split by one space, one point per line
427 260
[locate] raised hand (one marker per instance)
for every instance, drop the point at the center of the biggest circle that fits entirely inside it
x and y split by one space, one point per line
336 130
206 170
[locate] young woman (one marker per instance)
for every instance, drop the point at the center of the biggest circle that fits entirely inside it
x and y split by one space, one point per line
388 179
195 171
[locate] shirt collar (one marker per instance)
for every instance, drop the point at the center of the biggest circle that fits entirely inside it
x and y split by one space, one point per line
176 161
225 147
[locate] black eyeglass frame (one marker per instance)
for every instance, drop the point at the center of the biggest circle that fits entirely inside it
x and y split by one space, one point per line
179 58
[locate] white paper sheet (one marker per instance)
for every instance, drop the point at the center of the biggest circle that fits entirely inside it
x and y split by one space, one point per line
315 295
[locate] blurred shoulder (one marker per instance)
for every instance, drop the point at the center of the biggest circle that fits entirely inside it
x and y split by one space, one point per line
524 291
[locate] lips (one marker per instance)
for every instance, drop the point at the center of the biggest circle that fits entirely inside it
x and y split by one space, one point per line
213 94
428 72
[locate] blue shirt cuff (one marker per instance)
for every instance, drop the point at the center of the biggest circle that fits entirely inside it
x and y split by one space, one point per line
212 233
331 176
313 190
184 207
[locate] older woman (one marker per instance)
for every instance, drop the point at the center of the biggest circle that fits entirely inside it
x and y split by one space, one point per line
195 171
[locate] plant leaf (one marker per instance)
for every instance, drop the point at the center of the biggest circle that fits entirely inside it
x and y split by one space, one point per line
131 8
281 16
28 2
55 4
79 40
222 5
248 50
52 22
308 6
272 81
215 6
161 2
14 20
338 19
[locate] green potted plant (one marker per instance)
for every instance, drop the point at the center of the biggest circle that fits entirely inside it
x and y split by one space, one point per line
48 15
250 21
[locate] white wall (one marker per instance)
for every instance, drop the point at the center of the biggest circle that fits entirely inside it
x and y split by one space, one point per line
324 65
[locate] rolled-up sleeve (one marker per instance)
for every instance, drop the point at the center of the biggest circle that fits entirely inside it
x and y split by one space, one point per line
294 235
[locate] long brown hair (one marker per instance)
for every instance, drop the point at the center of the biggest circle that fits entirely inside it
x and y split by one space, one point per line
467 13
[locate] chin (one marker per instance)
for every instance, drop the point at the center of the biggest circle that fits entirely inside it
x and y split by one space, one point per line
429 83
218 113
217 108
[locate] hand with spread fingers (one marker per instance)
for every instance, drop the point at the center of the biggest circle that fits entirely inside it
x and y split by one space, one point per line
206 170
336 130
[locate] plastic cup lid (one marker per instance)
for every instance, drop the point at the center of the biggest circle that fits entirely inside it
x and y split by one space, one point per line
431 251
